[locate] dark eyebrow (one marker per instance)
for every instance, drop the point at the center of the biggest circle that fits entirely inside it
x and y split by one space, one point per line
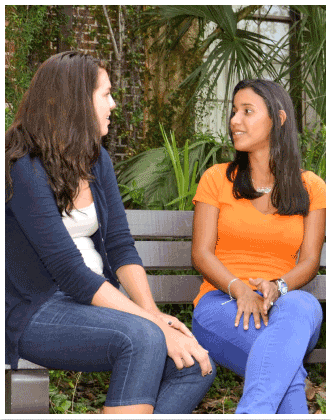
245 104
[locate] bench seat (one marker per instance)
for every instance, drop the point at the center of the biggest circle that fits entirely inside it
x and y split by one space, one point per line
163 241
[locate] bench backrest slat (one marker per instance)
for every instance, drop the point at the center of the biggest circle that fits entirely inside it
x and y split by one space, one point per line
156 223
323 256
173 288
158 255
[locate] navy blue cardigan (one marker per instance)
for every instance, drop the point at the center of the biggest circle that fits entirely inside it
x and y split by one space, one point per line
41 257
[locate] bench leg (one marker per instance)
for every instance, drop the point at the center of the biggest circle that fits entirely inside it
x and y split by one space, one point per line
27 391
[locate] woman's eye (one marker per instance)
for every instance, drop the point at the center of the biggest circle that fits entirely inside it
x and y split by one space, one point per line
248 111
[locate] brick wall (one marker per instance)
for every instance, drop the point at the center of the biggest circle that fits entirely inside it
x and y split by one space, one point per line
123 136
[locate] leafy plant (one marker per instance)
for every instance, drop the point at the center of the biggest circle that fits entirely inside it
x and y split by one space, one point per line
321 403
240 52
310 33
30 31
154 171
313 148
186 187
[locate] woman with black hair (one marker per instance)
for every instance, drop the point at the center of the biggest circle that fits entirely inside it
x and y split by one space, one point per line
259 227
68 248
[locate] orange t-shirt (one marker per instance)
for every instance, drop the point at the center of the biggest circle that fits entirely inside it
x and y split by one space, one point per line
249 243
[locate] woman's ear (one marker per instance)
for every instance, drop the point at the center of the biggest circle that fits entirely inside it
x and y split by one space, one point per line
282 115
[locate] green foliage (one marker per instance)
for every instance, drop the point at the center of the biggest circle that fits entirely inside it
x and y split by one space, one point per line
312 143
310 33
243 52
186 188
76 392
152 174
321 403
9 117
31 30
126 72
137 195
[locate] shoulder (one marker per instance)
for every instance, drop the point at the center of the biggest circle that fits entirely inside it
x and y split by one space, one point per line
313 181
316 188
217 171
28 169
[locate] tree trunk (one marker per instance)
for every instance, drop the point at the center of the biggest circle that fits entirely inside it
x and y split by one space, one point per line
295 74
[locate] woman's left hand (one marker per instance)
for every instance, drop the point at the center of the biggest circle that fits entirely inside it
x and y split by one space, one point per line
269 291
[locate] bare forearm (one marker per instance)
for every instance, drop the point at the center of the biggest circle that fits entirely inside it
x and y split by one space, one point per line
134 280
216 273
301 274
109 296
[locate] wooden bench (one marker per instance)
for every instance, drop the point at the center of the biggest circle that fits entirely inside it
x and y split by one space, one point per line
163 240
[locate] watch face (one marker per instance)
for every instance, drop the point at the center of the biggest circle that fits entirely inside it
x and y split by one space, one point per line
282 287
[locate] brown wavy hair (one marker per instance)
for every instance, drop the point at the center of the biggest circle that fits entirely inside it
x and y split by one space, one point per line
56 122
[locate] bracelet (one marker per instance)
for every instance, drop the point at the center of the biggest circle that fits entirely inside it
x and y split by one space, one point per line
231 298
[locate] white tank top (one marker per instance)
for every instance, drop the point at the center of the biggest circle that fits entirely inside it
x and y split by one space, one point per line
81 226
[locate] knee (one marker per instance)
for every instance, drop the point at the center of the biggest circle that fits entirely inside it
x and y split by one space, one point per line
149 339
302 305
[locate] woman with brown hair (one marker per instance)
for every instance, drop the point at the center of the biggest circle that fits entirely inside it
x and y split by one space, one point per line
68 247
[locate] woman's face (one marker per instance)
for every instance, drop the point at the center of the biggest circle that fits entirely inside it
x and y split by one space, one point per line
103 101
250 124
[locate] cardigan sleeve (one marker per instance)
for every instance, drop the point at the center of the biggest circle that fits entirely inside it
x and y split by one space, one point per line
119 243
34 207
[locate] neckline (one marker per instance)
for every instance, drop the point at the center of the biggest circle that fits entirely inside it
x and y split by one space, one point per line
84 208
263 214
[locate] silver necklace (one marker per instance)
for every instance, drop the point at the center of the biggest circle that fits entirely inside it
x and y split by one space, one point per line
264 190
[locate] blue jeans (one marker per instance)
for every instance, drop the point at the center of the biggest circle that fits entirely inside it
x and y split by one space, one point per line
64 334
270 358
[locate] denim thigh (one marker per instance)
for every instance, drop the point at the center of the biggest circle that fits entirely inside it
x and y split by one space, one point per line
65 334
213 325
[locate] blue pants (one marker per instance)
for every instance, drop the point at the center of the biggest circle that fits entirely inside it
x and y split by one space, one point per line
64 334
270 358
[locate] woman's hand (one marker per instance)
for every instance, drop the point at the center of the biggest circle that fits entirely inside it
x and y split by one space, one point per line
268 289
249 303
182 349
174 323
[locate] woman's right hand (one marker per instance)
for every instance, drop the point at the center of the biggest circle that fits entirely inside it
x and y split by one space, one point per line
182 349
249 303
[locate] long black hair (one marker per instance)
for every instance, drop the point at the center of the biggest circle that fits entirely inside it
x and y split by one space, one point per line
56 122
289 194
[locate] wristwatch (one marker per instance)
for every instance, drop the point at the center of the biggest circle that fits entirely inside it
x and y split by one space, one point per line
281 286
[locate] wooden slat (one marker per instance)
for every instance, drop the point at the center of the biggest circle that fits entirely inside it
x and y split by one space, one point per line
317 287
160 255
156 223
173 289
184 288
323 256
316 356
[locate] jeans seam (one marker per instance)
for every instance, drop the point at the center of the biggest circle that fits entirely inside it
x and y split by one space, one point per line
129 364
259 377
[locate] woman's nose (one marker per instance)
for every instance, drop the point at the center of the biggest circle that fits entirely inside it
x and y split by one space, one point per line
112 103
235 119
